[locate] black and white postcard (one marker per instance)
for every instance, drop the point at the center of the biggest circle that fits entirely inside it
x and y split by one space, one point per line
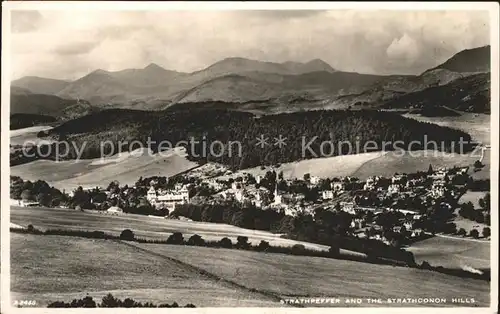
264 155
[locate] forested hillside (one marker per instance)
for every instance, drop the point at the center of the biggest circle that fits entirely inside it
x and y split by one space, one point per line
303 133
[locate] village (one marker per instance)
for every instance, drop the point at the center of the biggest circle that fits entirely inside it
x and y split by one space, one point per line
403 207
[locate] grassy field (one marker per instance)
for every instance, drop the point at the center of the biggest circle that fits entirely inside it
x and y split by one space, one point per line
52 268
21 136
393 162
126 168
473 197
143 226
453 252
69 268
484 173
327 167
477 125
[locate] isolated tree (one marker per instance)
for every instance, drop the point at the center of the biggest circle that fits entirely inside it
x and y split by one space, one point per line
307 177
426 265
478 164
127 235
297 249
474 233
226 243
486 232
26 195
461 232
110 301
242 242
263 245
175 238
196 240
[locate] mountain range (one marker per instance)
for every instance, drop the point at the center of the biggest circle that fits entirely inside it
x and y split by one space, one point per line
252 84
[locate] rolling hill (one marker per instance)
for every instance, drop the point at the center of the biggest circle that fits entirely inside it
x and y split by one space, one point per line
468 60
470 94
40 85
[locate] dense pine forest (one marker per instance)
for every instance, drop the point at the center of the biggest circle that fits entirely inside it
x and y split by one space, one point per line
304 132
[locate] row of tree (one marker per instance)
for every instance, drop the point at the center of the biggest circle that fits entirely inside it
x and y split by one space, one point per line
110 301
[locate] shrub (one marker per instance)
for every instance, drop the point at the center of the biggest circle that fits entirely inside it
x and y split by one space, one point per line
175 238
263 246
196 240
486 232
98 235
334 250
478 164
298 249
462 232
425 265
127 235
474 233
242 242
109 301
226 243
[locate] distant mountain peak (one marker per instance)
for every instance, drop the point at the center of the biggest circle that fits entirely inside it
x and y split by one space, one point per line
153 66
319 65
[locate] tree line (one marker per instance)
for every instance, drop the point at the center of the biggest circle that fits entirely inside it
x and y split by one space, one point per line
111 301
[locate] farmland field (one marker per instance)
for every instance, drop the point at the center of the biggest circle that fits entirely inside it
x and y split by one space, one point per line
453 252
477 125
52 268
64 270
327 167
143 226
473 197
22 136
393 162
126 168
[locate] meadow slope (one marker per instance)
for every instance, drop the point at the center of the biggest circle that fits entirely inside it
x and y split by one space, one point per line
143 226
64 269
125 167
453 252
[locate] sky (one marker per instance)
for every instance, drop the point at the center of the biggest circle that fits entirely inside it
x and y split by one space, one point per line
70 44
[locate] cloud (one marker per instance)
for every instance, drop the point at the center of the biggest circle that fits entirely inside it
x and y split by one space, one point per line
76 48
405 48
25 21
69 44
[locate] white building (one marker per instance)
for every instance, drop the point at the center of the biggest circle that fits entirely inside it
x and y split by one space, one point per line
327 194
257 179
168 199
394 189
438 189
439 175
115 209
397 178
315 180
28 203
370 183
338 187
348 207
